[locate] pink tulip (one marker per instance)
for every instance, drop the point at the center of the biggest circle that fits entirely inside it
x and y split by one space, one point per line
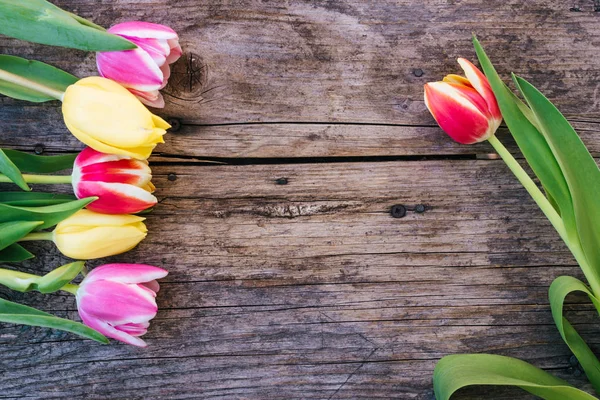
121 183
465 108
144 70
118 300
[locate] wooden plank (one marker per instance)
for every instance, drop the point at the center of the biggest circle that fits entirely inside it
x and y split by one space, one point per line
311 289
329 66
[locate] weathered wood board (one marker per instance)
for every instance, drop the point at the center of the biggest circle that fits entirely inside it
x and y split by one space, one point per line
289 278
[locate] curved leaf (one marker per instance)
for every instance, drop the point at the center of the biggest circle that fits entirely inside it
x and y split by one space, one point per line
580 170
40 164
39 21
523 126
560 288
51 215
12 231
14 253
8 168
49 283
457 371
34 71
34 199
19 314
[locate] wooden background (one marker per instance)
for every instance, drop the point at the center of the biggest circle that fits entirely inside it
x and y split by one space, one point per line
289 278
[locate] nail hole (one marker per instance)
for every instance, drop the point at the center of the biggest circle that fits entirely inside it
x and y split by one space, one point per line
175 124
172 177
398 211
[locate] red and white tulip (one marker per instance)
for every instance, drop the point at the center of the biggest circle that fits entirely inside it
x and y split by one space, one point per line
119 300
122 184
144 70
465 108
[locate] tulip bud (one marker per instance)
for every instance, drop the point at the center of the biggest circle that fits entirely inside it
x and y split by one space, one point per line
143 70
108 118
465 108
86 235
121 183
118 300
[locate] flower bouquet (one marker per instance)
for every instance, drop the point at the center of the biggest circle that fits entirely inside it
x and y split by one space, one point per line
111 178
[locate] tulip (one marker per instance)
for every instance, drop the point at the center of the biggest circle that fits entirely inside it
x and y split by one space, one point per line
143 70
118 300
86 235
465 108
121 183
108 118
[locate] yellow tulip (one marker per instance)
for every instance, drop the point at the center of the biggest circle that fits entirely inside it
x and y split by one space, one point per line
108 118
86 234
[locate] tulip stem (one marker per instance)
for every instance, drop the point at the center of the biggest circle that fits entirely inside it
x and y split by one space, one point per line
71 288
43 179
548 210
33 236
29 84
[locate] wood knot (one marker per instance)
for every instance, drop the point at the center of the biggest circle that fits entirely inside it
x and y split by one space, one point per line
189 76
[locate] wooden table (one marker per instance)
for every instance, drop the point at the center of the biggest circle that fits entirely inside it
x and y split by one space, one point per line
298 125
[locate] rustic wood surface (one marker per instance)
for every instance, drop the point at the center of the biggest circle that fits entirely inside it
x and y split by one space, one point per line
299 124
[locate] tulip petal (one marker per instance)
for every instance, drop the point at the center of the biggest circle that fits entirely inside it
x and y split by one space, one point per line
131 68
117 303
130 117
158 49
127 273
175 51
166 70
115 198
159 122
152 285
99 242
134 329
150 98
89 156
108 330
481 84
85 218
140 29
456 114
128 171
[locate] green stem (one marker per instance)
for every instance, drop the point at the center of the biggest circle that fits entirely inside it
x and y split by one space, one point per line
33 236
24 82
44 179
548 210
70 287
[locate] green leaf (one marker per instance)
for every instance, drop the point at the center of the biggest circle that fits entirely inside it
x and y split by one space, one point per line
19 314
580 170
12 231
39 21
561 287
56 279
523 125
40 164
51 215
34 199
14 253
49 283
32 71
8 168
457 371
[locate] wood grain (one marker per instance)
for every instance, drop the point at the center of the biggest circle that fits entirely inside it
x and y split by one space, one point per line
289 278
313 290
